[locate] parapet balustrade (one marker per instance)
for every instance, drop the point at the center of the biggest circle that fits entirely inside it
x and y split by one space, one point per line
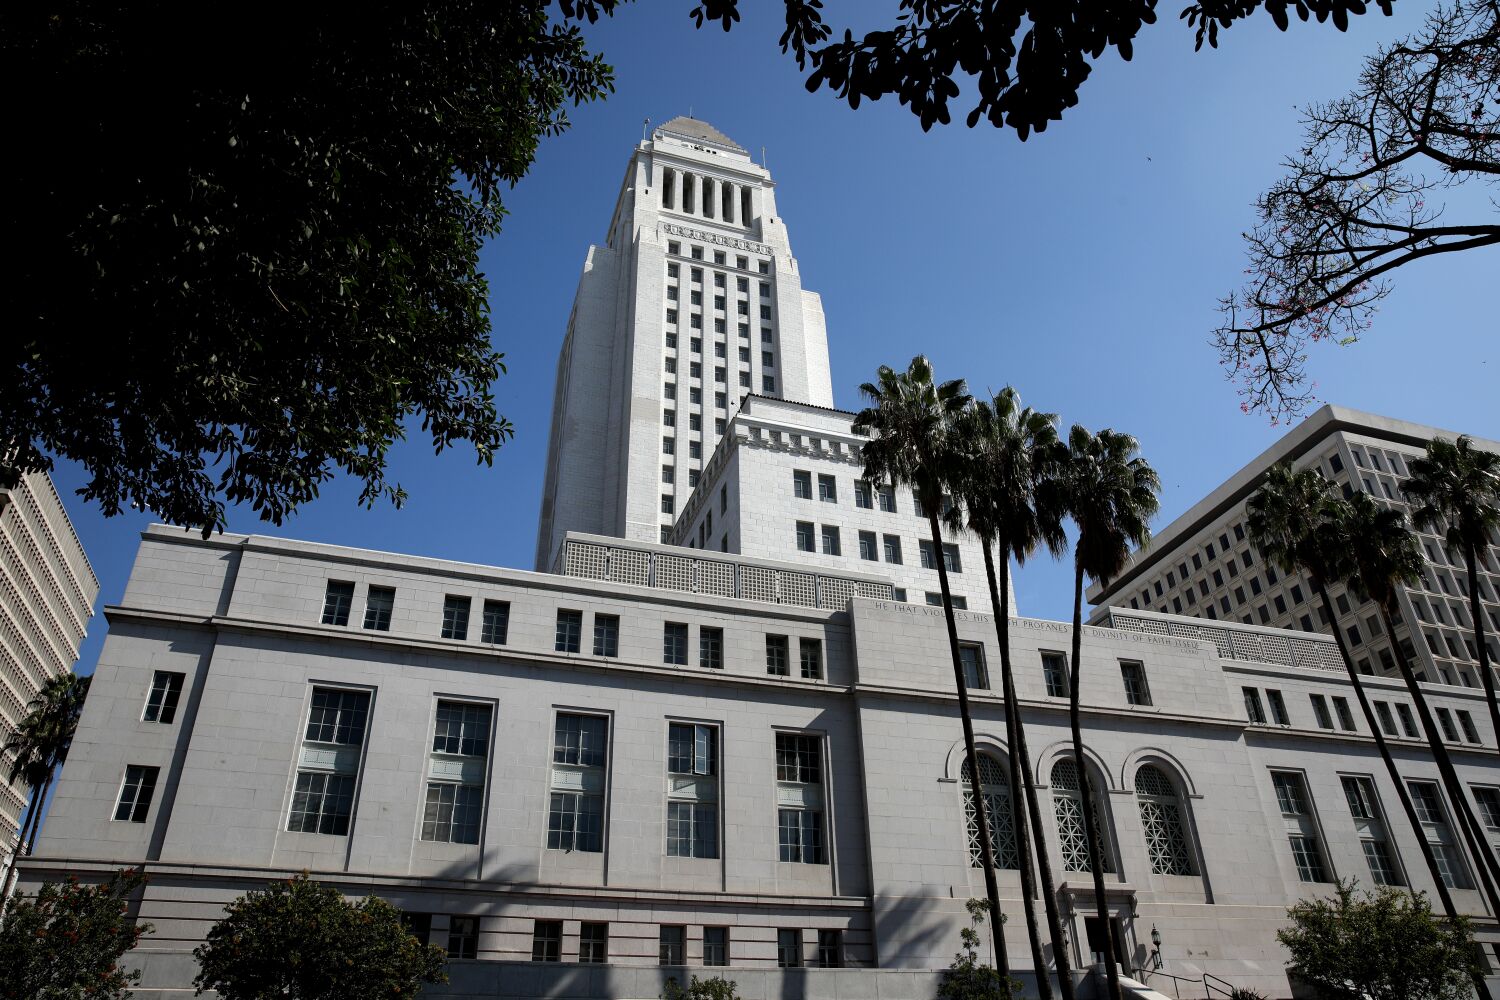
719 576
1238 642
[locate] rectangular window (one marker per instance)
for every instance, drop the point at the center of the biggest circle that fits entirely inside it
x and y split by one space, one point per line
456 766
1253 710
801 484
925 555
1055 673
777 658
161 703
789 948
546 941
1488 800
1466 725
496 622
1428 805
1278 707
455 617
951 561
692 791
892 545
828 490
463 937
674 644
1133 674
1408 724
812 658
328 763
862 496
831 949
799 794
711 647
1445 723
831 540
606 635
337 602
867 546
1369 824
575 820
1387 722
135 793
887 496
1296 809
379 603
593 942
715 946
673 950
975 675
767 382
1345 717
1320 711
805 537
569 631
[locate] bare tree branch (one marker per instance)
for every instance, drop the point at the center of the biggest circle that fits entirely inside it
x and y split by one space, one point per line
1355 203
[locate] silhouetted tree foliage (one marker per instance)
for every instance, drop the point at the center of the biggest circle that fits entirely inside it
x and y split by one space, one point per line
1027 58
66 942
1360 199
302 940
247 238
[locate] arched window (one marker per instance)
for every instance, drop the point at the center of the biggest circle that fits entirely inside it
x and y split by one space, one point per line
1067 800
1162 822
996 789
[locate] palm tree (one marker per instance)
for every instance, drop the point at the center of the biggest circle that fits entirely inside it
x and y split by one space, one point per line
1299 523
1012 454
912 423
1110 493
1383 555
40 745
1455 491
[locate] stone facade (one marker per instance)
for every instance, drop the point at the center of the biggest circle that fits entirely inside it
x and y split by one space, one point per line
47 592
1202 564
748 502
1198 846
693 302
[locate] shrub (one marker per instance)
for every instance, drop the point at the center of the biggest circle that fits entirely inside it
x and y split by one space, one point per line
1381 945
302 940
968 978
66 942
717 988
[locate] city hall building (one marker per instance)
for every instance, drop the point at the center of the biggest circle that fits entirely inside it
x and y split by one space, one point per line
715 730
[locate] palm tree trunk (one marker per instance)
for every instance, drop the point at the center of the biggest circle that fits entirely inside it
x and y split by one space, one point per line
1403 794
976 784
1060 955
15 858
1483 855
36 815
1101 905
1020 773
1480 649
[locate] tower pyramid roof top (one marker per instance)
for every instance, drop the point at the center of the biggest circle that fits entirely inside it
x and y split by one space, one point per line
695 129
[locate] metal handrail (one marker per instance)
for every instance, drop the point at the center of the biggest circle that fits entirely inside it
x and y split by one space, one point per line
1146 974
1209 987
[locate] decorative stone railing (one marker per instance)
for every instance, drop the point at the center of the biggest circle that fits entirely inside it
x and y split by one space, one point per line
719 576
1238 642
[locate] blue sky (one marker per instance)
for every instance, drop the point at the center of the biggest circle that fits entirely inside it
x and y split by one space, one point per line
1081 266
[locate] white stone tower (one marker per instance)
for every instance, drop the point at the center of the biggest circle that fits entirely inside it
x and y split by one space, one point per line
693 301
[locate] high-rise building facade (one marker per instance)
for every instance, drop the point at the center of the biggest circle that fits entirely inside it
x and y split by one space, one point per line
693 301
47 592
1204 565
